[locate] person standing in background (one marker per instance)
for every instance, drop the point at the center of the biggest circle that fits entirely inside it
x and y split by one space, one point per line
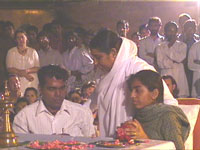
47 55
77 60
170 55
148 44
123 28
189 30
23 61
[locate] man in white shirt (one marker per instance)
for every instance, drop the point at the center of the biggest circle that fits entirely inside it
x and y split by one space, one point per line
78 61
148 44
53 114
194 65
170 55
47 55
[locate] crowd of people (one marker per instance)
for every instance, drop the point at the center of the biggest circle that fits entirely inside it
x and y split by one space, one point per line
113 78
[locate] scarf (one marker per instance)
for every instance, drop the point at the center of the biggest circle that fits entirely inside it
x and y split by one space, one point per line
110 92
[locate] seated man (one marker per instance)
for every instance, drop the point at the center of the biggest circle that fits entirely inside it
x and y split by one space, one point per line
14 87
53 114
172 85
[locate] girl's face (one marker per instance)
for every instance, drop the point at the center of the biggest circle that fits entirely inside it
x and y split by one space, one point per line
102 60
21 39
141 96
89 91
31 96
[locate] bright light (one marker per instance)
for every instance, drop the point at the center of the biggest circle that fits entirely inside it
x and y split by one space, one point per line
185 0
198 12
175 0
33 12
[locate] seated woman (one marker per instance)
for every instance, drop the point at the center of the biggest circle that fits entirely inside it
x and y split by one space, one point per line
153 119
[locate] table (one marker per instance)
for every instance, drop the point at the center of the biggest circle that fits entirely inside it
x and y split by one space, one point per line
151 145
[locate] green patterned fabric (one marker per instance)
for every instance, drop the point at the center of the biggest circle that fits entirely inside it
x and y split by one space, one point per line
164 122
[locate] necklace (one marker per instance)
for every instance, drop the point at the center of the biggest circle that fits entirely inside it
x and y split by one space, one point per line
22 51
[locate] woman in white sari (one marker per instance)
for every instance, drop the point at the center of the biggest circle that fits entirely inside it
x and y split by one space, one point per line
116 56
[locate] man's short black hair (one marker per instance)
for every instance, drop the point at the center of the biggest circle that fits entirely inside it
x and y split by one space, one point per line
190 23
42 34
169 24
142 27
8 24
51 71
32 28
154 19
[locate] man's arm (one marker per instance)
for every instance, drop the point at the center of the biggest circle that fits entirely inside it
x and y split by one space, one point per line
20 123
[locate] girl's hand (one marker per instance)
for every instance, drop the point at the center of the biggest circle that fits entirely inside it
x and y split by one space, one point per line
135 130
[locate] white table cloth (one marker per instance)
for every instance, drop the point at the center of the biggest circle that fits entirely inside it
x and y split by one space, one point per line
151 145
191 111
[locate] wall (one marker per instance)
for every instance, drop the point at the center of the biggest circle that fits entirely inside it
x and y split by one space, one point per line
24 16
105 14
96 14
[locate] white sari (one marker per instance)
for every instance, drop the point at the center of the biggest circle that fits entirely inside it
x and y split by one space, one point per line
111 95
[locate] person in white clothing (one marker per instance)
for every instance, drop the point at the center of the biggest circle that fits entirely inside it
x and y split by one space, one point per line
170 55
23 61
149 43
53 114
78 61
189 38
47 55
116 56
194 65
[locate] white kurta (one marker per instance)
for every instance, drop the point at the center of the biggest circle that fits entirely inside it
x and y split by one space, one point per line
170 60
80 60
50 57
148 45
111 95
15 60
194 54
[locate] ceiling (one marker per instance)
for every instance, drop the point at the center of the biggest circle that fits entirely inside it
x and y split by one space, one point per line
46 4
